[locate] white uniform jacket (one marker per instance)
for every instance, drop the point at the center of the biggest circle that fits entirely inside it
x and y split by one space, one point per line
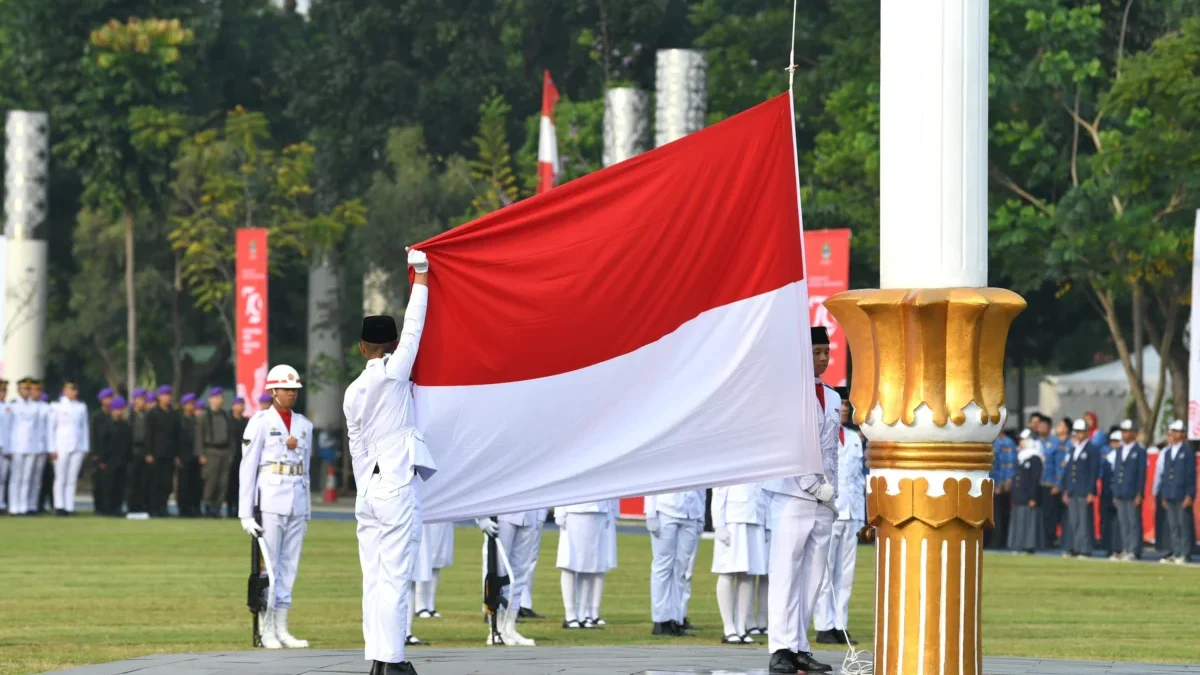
42 437
852 484
67 430
681 505
379 409
587 507
6 417
738 504
25 437
830 421
264 444
524 518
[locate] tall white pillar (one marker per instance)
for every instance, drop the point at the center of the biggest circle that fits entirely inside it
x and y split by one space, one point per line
323 387
933 88
377 294
626 124
928 345
25 271
681 94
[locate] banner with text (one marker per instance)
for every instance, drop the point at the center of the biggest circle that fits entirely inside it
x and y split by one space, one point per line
827 269
251 289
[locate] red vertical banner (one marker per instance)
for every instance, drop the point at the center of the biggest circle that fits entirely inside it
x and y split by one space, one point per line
827 269
251 289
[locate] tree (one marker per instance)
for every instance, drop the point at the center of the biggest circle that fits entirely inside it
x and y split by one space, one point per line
492 169
132 71
229 178
1086 153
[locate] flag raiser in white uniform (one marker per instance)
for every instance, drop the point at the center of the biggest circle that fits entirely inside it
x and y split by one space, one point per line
387 452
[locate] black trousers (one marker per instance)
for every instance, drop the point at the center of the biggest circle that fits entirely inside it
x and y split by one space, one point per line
997 537
191 488
109 486
159 478
1052 509
45 500
135 482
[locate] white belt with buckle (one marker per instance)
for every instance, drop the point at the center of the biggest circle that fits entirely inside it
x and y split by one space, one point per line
285 469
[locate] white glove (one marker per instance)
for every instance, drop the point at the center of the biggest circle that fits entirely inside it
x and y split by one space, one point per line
823 493
418 261
653 526
488 526
560 519
251 528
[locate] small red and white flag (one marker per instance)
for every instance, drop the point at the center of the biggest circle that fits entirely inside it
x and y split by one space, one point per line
547 140
639 330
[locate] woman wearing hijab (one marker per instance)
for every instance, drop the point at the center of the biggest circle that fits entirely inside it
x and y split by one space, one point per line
1025 532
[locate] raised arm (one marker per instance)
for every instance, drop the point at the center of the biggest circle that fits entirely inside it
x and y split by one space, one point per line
399 366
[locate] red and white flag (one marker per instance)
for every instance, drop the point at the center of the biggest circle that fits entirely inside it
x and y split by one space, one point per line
642 329
547 140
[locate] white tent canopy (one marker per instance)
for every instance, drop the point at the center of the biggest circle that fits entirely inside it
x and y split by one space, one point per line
1102 389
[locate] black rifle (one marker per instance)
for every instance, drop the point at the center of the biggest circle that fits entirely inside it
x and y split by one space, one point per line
256 588
493 582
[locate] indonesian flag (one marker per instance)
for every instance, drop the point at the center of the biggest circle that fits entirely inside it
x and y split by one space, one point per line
640 330
547 140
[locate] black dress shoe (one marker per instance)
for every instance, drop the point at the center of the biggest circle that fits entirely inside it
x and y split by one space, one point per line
677 629
844 638
783 661
808 664
402 668
687 625
528 613
662 628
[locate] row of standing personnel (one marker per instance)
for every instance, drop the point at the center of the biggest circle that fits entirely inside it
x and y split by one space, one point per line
1045 474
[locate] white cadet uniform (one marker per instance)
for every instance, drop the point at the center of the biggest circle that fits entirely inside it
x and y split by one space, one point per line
41 453
5 452
681 520
436 552
68 437
738 517
520 534
275 479
24 438
584 556
833 599
387 452
526 599
800 536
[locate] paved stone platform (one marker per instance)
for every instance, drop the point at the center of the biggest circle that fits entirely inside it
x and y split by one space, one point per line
649 660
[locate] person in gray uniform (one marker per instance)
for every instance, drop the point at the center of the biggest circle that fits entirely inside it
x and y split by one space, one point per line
1079 491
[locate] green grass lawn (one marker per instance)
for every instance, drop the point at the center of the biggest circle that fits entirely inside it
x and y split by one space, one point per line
88 590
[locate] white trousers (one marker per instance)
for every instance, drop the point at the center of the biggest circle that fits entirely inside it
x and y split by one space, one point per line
799 546
526 599
19 472
519 544
35 480
66 477
833 597
389 533
685 581
672 546
285 539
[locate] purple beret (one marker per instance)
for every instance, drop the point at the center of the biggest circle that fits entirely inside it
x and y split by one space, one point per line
239 401
44 397
117 403
216 391
149 397
106 392
265 398
187 398
165 389
139 392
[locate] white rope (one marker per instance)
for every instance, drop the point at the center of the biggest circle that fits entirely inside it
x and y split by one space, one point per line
792 54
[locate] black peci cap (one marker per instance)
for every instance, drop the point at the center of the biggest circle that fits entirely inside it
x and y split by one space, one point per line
820 335
378 330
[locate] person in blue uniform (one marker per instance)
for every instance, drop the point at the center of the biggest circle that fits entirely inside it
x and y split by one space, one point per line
1177 492
1025 532
1054 445
1128 486
1003 470
1079 491
1109 536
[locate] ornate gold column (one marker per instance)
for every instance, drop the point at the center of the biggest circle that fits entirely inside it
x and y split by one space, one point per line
928 392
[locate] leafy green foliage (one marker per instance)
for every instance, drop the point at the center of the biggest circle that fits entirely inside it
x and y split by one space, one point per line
230 178
492 170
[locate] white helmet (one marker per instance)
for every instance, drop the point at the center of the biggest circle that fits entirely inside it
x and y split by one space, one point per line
283 377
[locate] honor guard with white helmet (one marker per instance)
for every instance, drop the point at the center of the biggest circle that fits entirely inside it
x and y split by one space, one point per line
276 450
388 452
